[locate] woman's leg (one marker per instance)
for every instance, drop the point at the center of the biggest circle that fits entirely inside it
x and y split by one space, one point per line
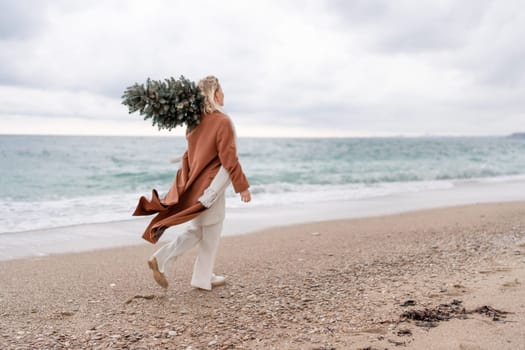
203 268
183 242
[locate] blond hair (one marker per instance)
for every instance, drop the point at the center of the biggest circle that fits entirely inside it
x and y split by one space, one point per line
209 86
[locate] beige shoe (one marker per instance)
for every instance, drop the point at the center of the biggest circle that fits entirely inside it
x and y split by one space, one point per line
217 281
157 275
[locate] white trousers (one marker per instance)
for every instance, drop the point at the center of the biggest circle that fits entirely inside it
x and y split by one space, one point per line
207 236
204 230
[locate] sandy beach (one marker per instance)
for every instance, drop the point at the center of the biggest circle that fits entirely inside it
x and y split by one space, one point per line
342 284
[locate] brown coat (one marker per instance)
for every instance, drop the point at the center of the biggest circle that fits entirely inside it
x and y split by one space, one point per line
210 145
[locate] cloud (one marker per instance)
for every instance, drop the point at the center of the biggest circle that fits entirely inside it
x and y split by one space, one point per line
410 26
342 67
495 55
57 103
20 19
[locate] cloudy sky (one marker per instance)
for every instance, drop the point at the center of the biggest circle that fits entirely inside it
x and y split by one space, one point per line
288 68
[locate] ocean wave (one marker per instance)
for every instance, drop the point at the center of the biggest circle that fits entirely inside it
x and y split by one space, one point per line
31 215
286 193
58 181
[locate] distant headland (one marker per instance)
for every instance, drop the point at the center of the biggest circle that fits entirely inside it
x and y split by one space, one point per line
517 135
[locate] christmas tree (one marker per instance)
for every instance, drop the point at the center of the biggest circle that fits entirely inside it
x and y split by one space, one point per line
169 103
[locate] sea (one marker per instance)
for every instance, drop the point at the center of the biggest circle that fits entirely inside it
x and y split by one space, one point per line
55 181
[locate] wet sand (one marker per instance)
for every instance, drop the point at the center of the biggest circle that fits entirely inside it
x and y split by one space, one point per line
324 285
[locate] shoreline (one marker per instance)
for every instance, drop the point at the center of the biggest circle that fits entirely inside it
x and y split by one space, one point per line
334 284
85 237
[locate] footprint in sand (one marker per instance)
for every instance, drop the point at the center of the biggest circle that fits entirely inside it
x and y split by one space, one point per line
373 331
511 284
495 270
469 346
456 290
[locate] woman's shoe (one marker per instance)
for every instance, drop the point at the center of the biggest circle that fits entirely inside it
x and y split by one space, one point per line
157 275
217 281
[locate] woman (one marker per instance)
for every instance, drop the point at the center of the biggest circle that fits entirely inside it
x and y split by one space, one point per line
208 165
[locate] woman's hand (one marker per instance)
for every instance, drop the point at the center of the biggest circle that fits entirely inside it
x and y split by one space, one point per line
246 196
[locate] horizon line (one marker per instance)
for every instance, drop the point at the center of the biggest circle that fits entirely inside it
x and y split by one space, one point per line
426 135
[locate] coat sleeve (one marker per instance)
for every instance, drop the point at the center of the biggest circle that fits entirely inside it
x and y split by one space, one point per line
228 155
